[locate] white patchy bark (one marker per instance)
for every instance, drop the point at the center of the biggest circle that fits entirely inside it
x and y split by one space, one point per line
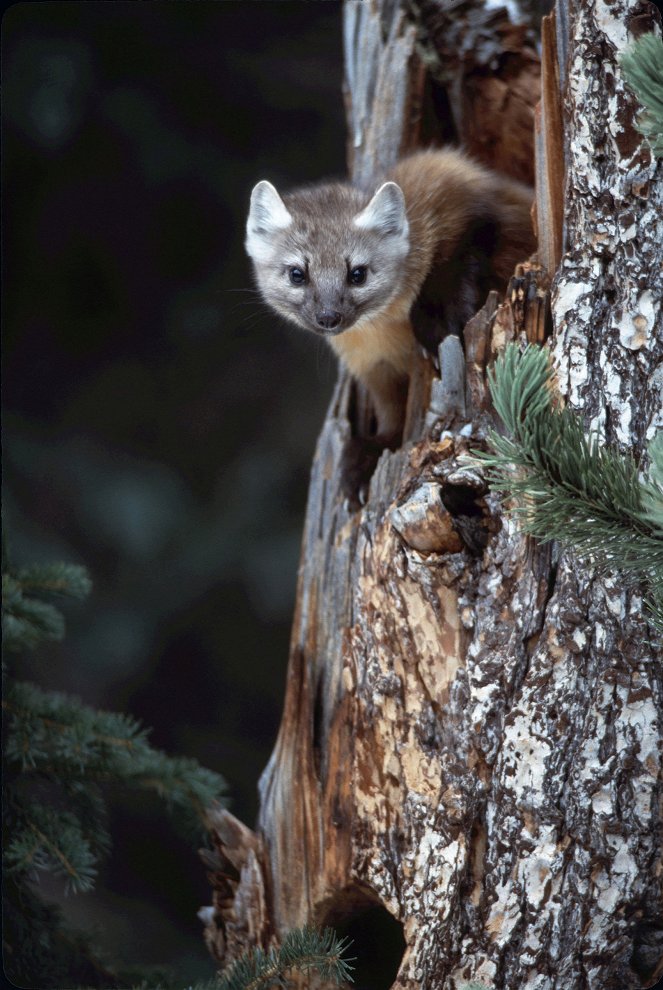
472 729
607 297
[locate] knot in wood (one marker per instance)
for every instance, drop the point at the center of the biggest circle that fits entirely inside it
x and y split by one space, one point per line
424 523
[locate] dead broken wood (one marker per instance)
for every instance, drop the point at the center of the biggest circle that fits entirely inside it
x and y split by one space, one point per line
470 747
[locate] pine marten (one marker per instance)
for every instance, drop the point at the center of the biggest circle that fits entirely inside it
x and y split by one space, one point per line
436 236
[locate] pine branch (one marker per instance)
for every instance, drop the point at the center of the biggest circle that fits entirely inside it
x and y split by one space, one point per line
302 949
643 70
653 497
67 580
58 754
41 950
26 622
565 485
26 619
55 735
51 841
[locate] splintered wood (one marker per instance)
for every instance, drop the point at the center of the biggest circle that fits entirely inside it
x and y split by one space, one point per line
489 71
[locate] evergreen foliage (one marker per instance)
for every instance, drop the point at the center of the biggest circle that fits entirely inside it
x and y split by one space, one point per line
59 755
26 619
40 950
643 70
565 485
302 949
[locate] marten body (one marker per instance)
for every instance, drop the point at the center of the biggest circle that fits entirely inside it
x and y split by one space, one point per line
437 235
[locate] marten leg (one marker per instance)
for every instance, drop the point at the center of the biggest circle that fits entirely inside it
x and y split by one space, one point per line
456 290
388 393
388 390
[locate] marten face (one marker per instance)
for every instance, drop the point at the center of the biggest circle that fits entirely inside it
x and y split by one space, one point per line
324 258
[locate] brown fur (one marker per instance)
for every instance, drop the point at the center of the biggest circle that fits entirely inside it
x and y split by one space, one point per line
446 194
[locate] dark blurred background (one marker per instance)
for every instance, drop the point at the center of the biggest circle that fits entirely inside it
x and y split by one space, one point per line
158 422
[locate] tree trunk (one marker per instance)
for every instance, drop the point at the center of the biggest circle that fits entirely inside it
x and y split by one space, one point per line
468 770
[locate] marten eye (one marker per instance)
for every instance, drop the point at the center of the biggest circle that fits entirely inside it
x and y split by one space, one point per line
297 276
357 276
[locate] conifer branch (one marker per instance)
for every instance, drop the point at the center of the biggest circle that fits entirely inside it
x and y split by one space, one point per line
302 949
66 580
26 619
79 871
27 622
643 70
58 736
58 752
566 486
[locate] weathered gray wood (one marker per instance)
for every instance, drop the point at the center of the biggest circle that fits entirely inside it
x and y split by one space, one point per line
472 727
378 90
447 400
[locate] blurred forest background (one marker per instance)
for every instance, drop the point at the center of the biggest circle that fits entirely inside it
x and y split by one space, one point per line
159 423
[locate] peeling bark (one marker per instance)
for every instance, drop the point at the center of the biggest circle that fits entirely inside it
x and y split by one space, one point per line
472 730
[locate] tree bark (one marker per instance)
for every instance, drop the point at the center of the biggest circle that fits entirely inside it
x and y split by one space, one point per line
472 730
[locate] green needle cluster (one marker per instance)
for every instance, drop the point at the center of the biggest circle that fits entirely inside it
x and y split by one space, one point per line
302 949
60 757
643 70
565 485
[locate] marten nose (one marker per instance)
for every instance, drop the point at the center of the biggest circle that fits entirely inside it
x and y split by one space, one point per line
328 319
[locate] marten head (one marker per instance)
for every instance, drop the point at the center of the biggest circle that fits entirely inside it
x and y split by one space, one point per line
324 257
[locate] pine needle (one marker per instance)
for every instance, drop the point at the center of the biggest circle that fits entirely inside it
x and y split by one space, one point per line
642 65
26 619
302 949
60 755
565 485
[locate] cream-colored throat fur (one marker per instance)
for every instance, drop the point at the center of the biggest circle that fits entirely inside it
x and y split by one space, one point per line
386 337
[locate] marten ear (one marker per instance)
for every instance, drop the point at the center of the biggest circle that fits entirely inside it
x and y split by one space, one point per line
385 214
267 216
